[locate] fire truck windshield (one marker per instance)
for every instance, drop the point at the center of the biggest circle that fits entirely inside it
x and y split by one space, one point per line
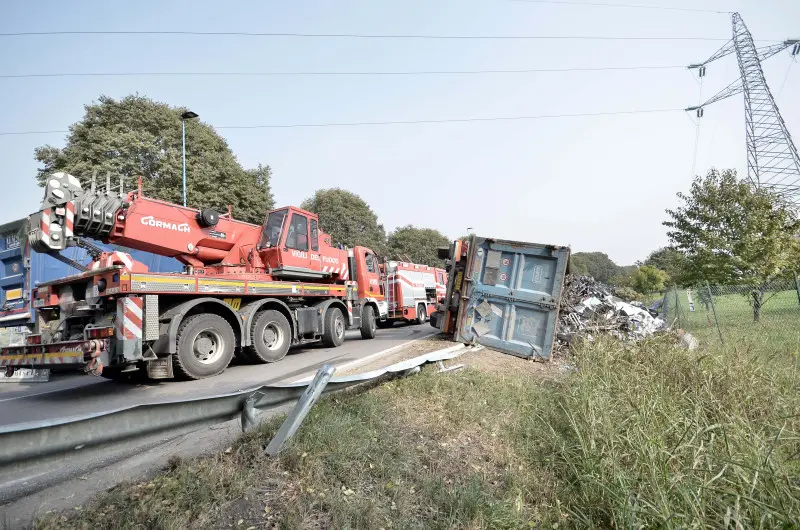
271 235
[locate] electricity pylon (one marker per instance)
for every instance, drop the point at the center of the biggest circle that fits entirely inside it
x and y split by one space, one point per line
772 159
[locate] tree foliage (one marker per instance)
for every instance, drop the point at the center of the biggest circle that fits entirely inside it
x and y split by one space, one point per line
595 264
670 261
417 245
648 279
137 136
734 232
347 218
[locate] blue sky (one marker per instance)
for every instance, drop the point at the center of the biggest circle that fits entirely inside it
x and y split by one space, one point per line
596 183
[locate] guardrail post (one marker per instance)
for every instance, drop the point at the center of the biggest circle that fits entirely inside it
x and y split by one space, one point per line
304 404
249 411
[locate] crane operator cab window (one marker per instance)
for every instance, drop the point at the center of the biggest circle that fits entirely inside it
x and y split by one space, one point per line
271 235
297 238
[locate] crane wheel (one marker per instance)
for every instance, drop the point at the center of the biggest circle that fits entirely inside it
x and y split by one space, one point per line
333 335
205 346
270 337
368 326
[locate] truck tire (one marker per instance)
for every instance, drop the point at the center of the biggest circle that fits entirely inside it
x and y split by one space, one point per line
270 337
205 346
333 336
422 314
368 326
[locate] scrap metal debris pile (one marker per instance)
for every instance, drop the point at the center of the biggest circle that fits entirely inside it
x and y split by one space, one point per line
588 308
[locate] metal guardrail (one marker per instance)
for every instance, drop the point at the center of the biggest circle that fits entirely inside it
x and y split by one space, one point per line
26 442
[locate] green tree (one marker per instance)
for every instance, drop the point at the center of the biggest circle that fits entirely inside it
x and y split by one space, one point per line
262 179
347 218
734 232
137 136
648 279
670 261
595 264
418 245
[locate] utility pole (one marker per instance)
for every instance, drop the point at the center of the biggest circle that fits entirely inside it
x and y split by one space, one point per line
772 159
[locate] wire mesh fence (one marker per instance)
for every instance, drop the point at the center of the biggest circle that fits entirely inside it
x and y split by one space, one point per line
768 314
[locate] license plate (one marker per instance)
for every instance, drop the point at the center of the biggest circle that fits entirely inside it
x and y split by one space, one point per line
160 368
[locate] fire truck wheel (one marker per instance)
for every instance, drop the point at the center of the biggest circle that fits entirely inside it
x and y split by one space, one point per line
333 335
368 322
205 346
270 337
422 314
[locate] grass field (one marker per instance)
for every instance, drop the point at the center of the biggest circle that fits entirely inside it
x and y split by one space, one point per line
642 435
778 327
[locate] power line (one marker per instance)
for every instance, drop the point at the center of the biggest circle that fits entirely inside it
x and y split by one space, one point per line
785 78
405 122
633 6
396 73
359 35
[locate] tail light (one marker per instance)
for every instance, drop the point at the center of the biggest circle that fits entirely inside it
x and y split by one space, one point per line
99 333
33 339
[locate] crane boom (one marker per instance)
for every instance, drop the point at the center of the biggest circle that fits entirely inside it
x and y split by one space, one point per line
196 238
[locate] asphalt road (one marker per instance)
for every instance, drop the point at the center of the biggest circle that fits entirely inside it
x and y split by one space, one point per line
73 394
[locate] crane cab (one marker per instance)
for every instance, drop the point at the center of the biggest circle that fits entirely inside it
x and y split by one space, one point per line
293 246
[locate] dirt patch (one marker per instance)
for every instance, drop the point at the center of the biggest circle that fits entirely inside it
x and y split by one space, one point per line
411 350
501 364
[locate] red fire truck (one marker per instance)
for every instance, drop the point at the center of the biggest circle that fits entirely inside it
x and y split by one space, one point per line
247 290
412 291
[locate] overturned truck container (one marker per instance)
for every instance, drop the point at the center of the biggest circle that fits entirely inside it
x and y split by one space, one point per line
503 294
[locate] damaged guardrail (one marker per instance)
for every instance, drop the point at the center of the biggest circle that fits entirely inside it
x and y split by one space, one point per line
23 444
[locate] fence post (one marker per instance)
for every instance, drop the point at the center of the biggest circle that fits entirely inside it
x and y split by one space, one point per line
714 310
796 286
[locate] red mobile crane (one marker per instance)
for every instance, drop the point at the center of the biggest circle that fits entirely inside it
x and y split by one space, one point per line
247 290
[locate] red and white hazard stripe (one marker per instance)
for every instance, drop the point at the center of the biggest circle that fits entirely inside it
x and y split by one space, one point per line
44 226
129 318
340 271
70 219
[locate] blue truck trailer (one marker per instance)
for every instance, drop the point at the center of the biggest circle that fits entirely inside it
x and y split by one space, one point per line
22 269
504 295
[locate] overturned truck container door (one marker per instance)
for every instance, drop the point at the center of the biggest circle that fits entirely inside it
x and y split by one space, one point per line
510 296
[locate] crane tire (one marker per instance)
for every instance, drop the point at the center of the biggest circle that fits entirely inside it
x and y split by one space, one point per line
205 346
270 337
333 334
368 326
